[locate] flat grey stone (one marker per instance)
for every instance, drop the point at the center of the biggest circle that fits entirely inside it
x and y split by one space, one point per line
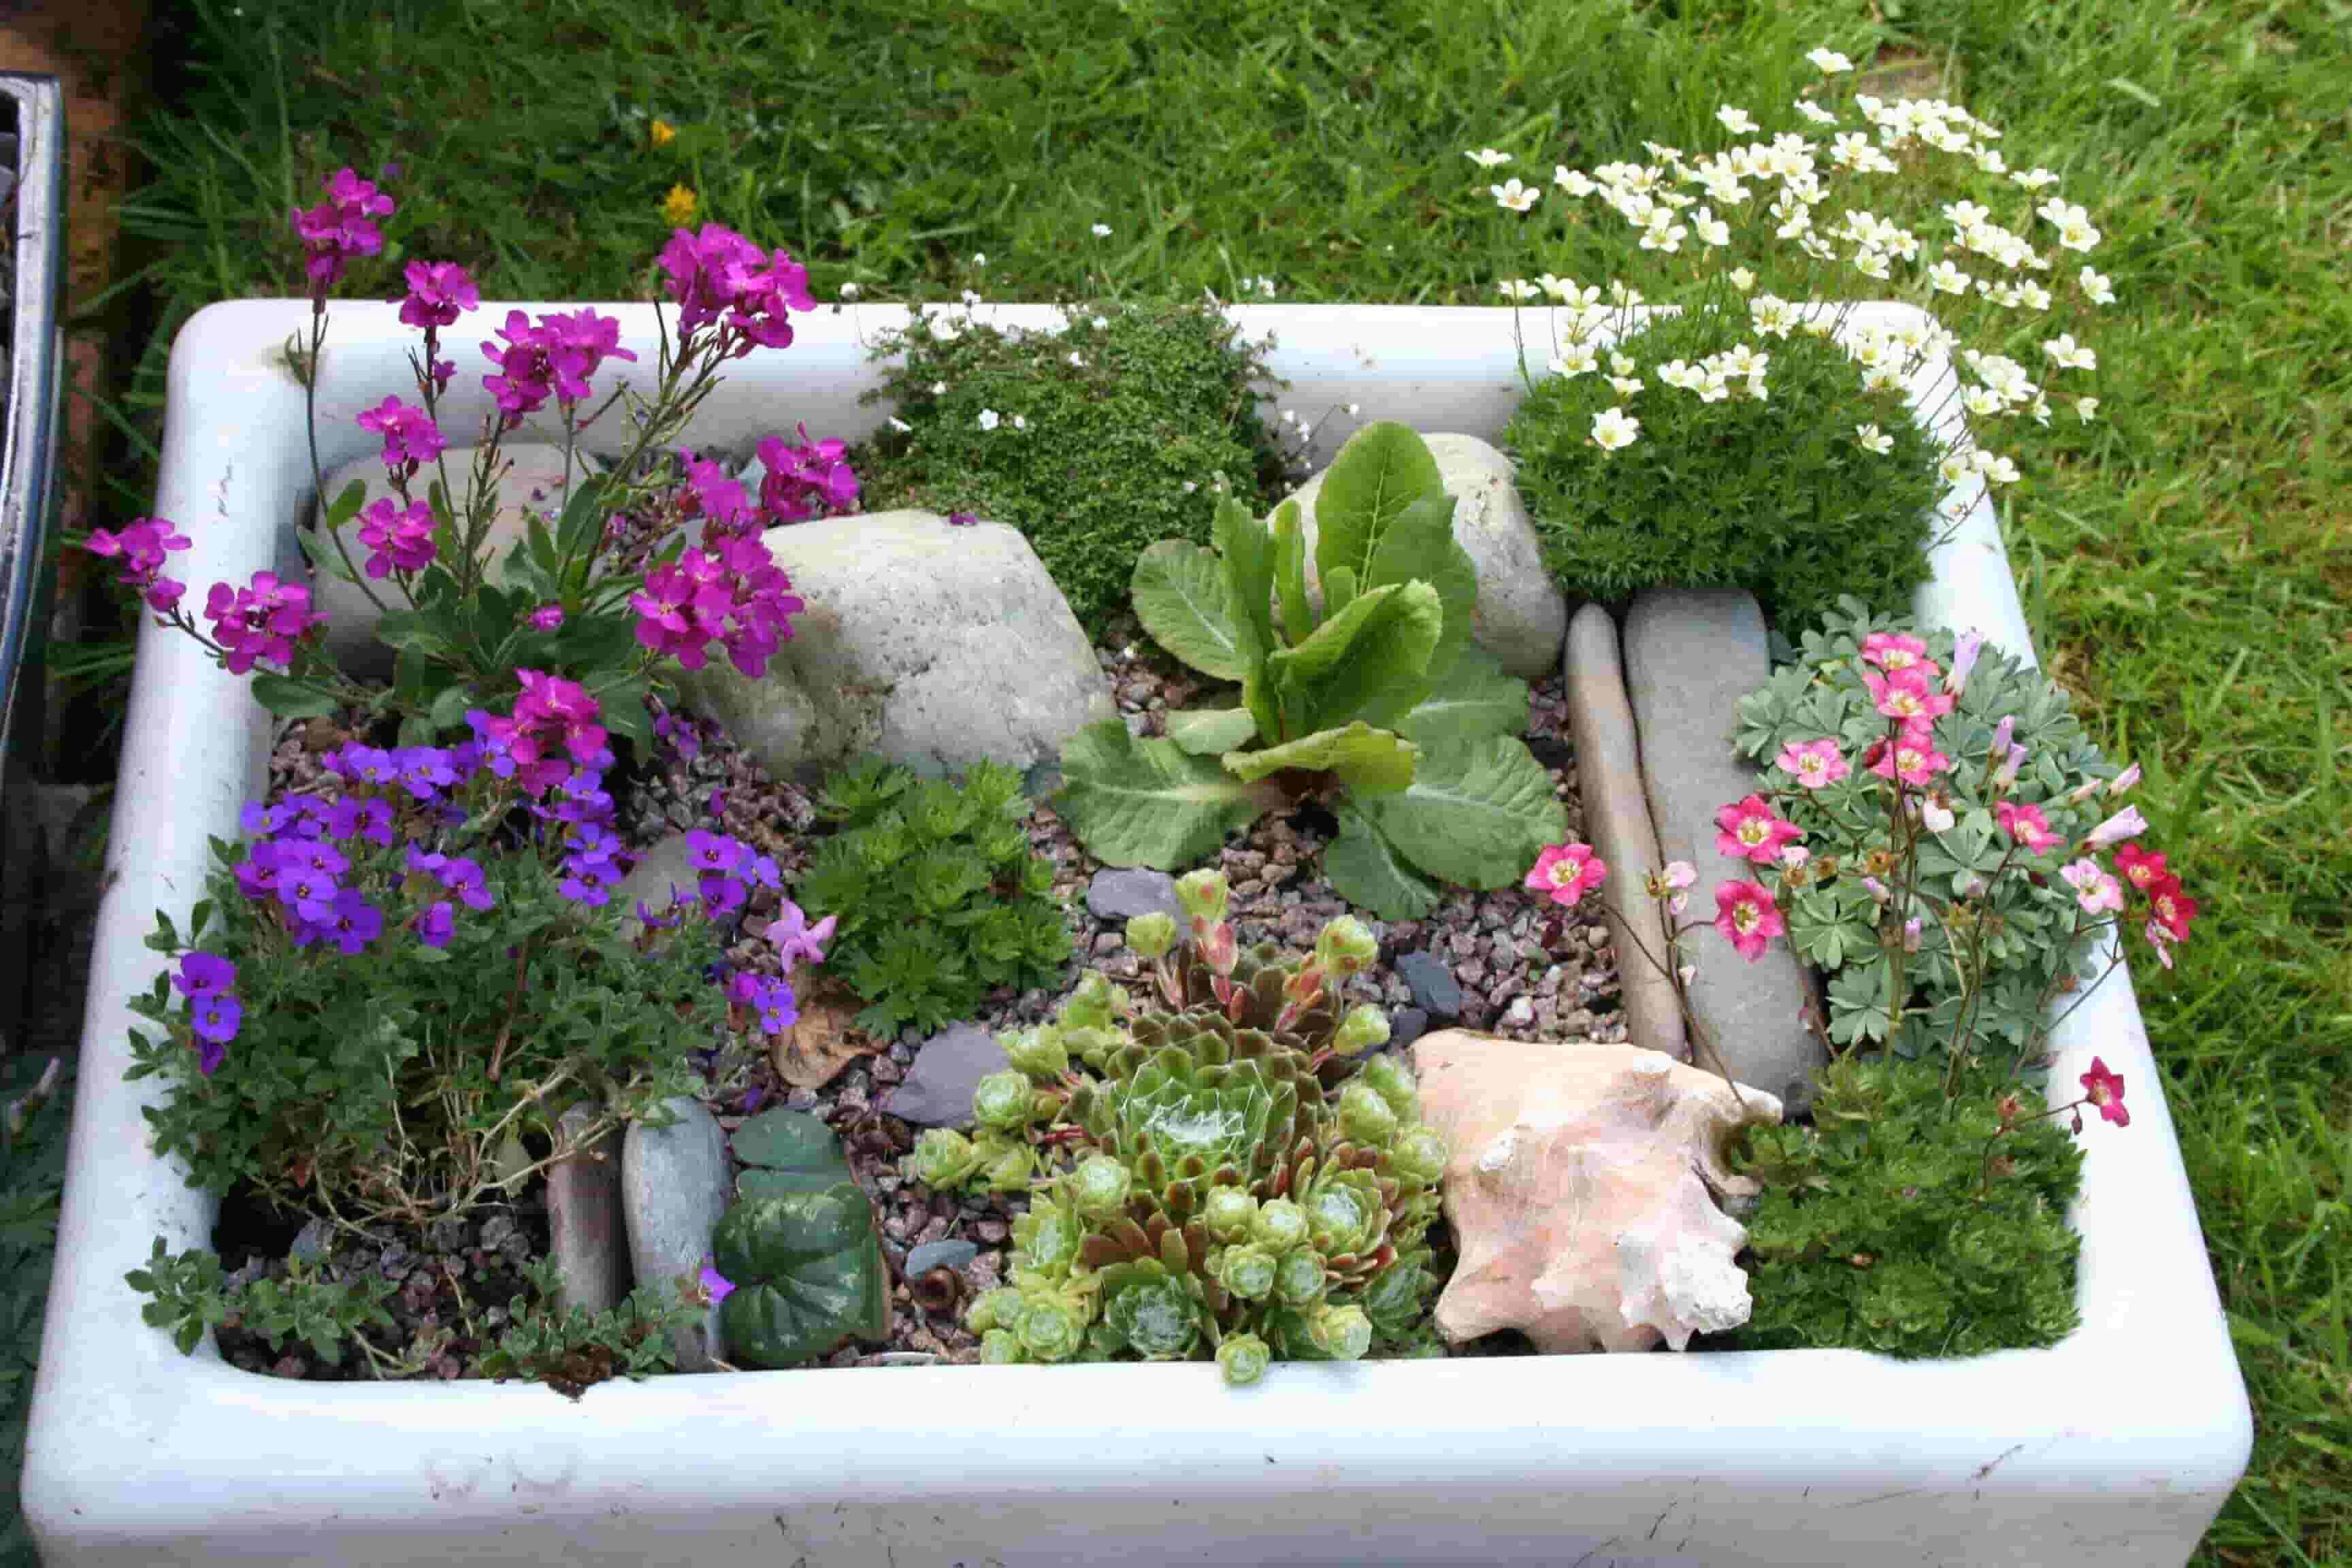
674 1191
312 1242
930 645
532 482
948 1067
1522 616
1121 893
947 1253
668 865
584 1228
1406 1025
1691 654
1435 989
1617 822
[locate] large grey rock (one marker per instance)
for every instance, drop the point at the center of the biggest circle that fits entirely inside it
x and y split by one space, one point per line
932 644
585 1227
531 481
1617 821
949 1066
1691 654
674 1191
1123 892
1522 616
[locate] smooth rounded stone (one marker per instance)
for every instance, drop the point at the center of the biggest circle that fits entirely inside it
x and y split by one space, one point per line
1121 893
930 645
668 864
583 1216
1435 989
531 481
1691 654
674 1191
1522 616
1617 822
930 1254
949 1065
1406 1025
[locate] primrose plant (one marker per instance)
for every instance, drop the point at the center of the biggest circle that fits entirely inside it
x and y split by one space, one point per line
654 560
1359 687
400 981
1208 1178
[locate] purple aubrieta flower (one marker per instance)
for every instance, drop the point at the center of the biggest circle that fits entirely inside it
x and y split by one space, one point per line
364 817
312 854
434 926
201 972
545 618
722 895
464 878
363 764
652 921
354 923
713 851
260 819
215 1015
716 1286
424 771
307 894
256 874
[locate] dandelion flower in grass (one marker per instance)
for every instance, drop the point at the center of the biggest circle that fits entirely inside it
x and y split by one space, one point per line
662 132
1873 440
2098 289
1738 122
1513 196
1487 158
1613 429
677 208
1829 62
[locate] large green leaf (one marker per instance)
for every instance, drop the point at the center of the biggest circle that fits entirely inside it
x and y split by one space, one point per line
1245 550
1179 598
1471 700
1145 803
1364 868
1475 816
1382 470
1210 732
1290 574
1420 546
1370 661
1368 761
807 1271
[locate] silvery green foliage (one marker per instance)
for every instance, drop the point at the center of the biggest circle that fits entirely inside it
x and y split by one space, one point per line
1975 892
1211 1179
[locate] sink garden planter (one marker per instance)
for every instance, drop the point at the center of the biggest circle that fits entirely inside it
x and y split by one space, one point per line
2116 1446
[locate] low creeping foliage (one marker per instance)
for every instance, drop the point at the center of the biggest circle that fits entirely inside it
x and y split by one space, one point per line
1112 451
190 1294
1362 689
1910 1223
1773 495
569 1347
937 897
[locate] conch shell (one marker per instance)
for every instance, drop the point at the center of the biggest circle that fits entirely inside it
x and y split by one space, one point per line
1581 1189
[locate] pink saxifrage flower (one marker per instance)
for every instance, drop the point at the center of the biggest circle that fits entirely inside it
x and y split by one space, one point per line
1911 758
1966 648
1893 650
2142 868
2095 890
1752 830
1909 694
1815 764
2126 823
2106 1089
1566 872
2026 825
1747 917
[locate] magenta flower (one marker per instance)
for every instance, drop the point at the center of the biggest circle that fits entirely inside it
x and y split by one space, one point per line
1908 694
338 228
1911 759
262 622
144 545
1815 764
576 344
438 292
730 592
807 480
523 381
545 618
2122 783
717 273
411 439
2106 1090
1892 651
2095 890
2140 868
796 940
1752 830
1747 917
396 536
1566 872
202 972
2026 825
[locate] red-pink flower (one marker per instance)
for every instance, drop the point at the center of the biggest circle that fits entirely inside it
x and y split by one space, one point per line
2139 867
1566 872
396 536
340 227
805 480
1747 917
1912 759
719 272
1816 763
263 621
2106 1090
2172 909
1752 830
1893 650
439 291
144 546
410 437
2025 824
1908 694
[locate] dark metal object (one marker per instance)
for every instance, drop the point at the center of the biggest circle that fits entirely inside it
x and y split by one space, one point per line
37 210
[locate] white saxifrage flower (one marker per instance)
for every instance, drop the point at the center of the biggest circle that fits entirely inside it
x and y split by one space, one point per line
1487 158
988 419
1613 429
2096 288
1829 62
1736 121
2086 409
1872 439
2064 353
1513 196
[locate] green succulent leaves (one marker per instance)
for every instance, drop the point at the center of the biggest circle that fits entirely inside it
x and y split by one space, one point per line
1376 697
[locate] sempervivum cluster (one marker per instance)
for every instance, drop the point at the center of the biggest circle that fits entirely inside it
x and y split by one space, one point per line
1218 1184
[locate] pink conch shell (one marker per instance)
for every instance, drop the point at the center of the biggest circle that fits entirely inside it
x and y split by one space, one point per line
1581 1190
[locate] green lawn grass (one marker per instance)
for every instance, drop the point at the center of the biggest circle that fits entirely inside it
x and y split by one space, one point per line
2188 569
